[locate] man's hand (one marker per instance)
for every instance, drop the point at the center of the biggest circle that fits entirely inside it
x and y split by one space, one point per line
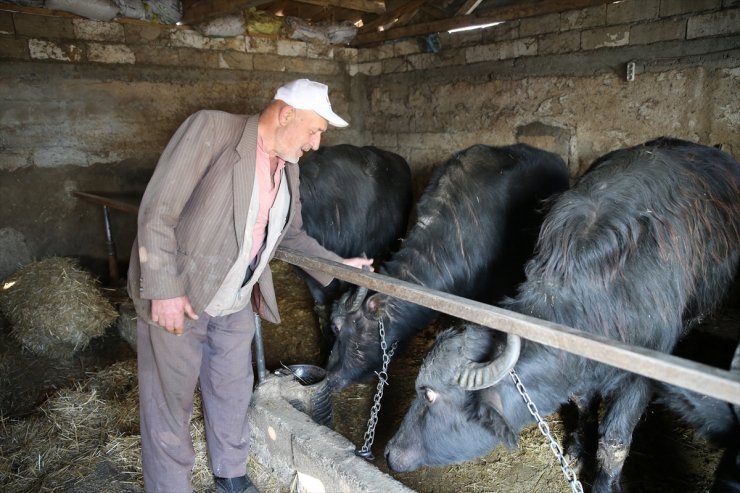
359 262
170 314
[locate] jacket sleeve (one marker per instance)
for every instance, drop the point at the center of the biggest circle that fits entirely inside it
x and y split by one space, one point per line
296 238
180 167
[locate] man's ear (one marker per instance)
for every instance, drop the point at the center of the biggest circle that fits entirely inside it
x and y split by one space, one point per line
286 114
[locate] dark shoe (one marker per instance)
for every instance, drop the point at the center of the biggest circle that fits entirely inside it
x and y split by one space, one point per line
242 484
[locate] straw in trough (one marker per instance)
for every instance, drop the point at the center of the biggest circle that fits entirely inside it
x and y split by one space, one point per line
55 307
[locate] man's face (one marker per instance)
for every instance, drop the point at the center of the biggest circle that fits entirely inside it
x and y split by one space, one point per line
300 134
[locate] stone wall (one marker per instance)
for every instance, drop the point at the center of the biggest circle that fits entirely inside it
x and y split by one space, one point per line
88 105
560 81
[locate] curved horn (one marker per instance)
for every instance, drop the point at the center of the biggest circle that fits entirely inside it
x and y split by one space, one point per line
357 299
476 376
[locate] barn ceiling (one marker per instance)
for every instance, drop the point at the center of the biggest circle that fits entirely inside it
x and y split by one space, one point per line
384 20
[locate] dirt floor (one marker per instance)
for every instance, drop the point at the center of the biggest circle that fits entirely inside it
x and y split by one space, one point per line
43 449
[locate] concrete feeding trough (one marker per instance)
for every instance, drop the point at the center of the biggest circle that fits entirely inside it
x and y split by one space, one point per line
304 455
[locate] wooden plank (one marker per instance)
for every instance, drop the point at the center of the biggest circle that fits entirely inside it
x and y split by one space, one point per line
126 202
371 37
468 7
196 11
371 6
705 379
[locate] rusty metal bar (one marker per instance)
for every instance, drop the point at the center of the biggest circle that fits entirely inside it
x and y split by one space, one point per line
705 379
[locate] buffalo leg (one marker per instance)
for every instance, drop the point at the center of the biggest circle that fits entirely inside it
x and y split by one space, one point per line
622 413
581 449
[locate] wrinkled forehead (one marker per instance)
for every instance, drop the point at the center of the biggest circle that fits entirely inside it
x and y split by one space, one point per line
441 364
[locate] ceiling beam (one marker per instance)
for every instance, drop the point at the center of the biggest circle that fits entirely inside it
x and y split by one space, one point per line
371 6
395 17
509 13
195 11
468 7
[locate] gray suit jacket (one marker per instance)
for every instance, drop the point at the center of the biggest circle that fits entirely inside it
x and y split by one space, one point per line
193 216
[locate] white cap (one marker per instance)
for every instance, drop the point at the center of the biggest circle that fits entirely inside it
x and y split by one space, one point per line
306 94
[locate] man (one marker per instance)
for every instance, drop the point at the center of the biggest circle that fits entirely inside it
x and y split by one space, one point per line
224 194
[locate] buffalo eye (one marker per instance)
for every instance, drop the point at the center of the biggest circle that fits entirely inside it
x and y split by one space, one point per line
430 396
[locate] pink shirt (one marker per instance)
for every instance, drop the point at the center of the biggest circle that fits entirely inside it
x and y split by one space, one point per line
268 188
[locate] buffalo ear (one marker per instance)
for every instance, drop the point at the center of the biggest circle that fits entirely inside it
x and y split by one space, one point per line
376 305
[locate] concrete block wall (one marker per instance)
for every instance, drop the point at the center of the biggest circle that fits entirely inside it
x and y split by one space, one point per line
559 81
630 22
89 105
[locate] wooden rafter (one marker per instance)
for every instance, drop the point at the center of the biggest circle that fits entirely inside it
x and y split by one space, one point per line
468 7
368 37
399 16
371 6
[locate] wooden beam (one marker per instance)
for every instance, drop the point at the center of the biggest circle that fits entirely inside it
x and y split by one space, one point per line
196 11
387 21
705 379
468 7
366 38
371 6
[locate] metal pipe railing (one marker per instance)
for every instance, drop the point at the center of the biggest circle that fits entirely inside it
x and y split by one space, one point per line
705 379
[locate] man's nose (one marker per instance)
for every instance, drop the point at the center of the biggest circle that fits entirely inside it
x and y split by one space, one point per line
315 141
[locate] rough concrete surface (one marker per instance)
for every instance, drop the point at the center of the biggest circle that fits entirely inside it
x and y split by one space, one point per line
308 456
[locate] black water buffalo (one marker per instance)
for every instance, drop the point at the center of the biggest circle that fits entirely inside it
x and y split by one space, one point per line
646 242
477 222
355 201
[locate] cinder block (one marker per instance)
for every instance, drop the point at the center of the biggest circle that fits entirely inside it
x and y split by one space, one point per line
6 23
542 24
407 47
677 7
345 54
653 32
16 49
236 60
565 42
394 65
260 45
146 34
291 48
631 11
269 62
155 55
583 18
46 50
105 53
42 26
371 68
190 57
98 31
714 24
592 39
506 31
501 51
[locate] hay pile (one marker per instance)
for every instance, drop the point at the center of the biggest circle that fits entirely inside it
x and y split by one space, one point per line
55 307
95 422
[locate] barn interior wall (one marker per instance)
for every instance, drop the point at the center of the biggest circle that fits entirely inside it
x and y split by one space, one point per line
88 105
559 81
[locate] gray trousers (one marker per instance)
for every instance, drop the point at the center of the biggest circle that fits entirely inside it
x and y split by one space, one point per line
216 350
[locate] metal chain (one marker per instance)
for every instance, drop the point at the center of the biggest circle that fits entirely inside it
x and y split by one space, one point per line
382 382
570 475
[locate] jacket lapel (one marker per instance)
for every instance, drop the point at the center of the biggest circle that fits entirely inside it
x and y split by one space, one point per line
244 176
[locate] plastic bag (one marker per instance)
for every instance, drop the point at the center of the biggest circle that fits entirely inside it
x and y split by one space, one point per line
222 27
